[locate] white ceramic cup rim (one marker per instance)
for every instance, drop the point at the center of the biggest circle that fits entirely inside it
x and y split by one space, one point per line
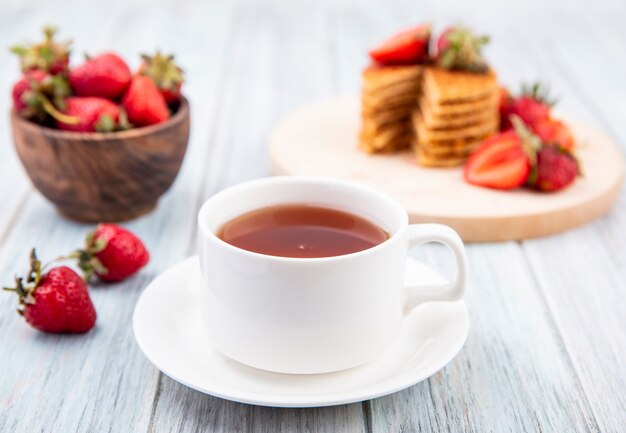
236 189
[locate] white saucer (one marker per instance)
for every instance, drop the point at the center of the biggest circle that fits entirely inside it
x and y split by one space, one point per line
168 329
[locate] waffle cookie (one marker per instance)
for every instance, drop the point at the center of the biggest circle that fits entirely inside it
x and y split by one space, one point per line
388 98
443 86
455 112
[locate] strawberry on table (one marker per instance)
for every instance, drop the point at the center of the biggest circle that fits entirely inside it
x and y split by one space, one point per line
112 253
106 75
407 47
165 73
144 103
48 55
56 301
88 114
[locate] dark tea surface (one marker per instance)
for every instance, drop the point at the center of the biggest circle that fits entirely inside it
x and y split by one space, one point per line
301 230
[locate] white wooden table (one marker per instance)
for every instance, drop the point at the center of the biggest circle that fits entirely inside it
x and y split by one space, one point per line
547 347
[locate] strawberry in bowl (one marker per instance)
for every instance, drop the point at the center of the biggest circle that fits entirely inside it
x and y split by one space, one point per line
99 141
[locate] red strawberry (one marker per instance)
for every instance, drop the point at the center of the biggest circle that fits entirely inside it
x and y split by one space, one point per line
443 41
407 47
48 55
88 114
458 48
556 169
36 93
106 75
552 131
57 301
500 162
112 253
166 74
505 108
144 103
532 106
25 94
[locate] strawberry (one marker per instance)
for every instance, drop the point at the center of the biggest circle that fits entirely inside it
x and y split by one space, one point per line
443 41
57 301
517 156
26 101
552 131
35 94
106 76
166 74
556 169
458 48
504 108
500 162
48 55
112 253
144 103
532 106
405 48
88 114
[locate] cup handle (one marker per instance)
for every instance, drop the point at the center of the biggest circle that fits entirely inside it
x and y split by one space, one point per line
423 233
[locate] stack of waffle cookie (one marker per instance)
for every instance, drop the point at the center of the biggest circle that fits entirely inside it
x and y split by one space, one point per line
456 111
389 97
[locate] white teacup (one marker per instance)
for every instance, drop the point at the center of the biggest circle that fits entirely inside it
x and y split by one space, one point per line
313 315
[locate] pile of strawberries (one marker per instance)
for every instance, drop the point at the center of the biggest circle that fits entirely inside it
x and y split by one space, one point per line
533 149
101 95
57 300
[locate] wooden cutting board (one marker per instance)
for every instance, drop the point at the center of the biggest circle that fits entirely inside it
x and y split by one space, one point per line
321 140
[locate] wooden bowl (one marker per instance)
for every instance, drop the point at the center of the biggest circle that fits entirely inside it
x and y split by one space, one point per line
95 177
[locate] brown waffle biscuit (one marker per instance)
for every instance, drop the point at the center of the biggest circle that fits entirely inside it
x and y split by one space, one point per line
426 134
487 104
443 86
391 89
379 145
375 103
436 122
370 127
393 137
453 149
378 77
382 117
428 160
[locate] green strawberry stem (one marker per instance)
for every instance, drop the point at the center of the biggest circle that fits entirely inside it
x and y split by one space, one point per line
530 141
463 51
86 258
539 92
25 290
51 110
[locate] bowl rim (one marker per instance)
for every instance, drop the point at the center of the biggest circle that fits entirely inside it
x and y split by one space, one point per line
179 116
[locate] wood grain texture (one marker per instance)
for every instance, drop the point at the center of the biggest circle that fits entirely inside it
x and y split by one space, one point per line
582 274
547 345
94 177
534 389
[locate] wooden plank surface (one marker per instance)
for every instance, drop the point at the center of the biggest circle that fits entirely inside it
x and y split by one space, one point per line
548 341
